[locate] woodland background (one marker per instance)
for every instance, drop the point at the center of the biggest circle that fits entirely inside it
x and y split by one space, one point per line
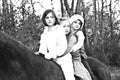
102 25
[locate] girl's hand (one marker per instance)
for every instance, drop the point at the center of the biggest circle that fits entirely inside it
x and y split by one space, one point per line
54 59
37 53
47 56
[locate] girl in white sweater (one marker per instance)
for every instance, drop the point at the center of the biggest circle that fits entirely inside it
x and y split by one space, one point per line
53 43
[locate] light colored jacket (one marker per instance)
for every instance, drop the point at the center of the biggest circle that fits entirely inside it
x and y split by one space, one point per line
53 43
79 42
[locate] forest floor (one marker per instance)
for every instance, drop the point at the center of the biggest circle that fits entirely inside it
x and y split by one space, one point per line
115 73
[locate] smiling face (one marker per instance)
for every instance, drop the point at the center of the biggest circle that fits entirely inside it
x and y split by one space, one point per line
50 19
76 25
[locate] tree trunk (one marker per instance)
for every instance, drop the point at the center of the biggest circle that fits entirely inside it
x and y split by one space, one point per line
83 10
62 8
12 14
111 20
99 18
78 6
78 10
23 9
32 4
102 33
102 19
68 9
72 7
95 29
5 7
5 11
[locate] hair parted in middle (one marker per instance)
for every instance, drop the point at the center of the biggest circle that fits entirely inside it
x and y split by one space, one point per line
46 13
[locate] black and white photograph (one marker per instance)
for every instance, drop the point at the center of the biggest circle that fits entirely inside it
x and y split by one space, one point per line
59 39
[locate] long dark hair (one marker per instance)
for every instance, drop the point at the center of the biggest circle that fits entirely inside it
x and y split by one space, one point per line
46 13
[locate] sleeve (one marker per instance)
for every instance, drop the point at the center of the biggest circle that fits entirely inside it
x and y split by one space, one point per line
42 48
61 42
80 42
70 44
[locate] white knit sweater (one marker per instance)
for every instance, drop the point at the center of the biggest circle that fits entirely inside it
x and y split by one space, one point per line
53 43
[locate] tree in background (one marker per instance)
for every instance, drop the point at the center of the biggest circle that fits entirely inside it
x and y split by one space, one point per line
21 23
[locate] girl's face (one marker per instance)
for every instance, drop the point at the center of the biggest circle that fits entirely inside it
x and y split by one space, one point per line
50 19
66 26
76 25
67 29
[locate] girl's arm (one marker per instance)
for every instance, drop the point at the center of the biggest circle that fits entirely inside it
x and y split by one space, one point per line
70 44
61 42
80 42
42 48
